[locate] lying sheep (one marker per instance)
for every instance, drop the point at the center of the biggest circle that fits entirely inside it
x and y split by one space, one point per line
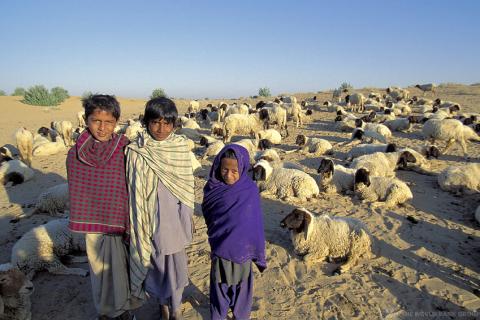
15 292
428 151
15 172
451 131
383 164
24 140
42 247
275 161
363 149
49 148
367 136
8 152
335 177
320 237
251 145
461 179
188 123
212 149
344 124
240 124
53 201
270 134
399 124
313 146
375 127
65 130
390 191
284 183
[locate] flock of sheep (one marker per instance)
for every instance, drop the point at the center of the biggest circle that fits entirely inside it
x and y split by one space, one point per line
369 173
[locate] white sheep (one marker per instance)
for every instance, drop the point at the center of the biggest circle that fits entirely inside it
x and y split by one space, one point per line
41 248
133 129
451 131
357 101
65 130
8 152
24 139
15 292
213 148
251 145
241 109
240 124
81 119
364 135
428 150
195 163
284 183
49 148
390 191
275 161
188 123
399 124
461 179
376 127
335 177
15 171
53 201
271 135
273 113
363 149
383 164
319 237
193 106
315 146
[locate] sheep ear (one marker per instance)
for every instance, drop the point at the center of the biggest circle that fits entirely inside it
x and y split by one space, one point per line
307 219
362 176
409 157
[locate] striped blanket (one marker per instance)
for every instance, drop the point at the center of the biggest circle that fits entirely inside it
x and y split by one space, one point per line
148 161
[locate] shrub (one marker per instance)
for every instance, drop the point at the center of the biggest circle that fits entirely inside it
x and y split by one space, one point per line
2 93
264 92
19 91
86 95
39 96
345 87
59 94
159 92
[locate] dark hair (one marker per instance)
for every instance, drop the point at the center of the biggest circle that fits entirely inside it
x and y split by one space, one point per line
228 154
103 102
160 108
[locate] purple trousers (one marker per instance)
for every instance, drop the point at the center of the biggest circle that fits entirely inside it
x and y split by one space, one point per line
237 297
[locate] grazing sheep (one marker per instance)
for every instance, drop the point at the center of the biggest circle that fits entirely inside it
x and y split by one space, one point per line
49 148
65 129
15 292
42 247
294 112
15 171
390 191
53 201
81 119
284 183
271 135
460 179
363 149
335 177
319 237
240 124
427 87
193 106
383 164
314 146
450 130
357 101
274 114
24 140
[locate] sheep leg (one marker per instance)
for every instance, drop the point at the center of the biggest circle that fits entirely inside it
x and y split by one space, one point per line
448 146
58 268
464 148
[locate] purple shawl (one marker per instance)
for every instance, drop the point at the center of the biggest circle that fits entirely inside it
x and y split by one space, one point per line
233 214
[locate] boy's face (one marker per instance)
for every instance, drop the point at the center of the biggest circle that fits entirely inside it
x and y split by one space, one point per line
101 124
229 171
160 129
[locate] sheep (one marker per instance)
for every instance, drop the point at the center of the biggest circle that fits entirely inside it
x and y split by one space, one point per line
284 183
15 292
42 247
81 119
48 133
383 164
133 129
193 106
251 145
195 163
357 101
275 161
38 140
289 99
192 134
213 148
461 179
24 139
314 146
274 115
65 129
15 171
240 124
188 123
390 191
428 151
362 149
376 127
450 130
399 124
427 87
8 152
397 93
54 200
335 177
49 148
241 109
319 237
294 112
360 134
344 125
271 135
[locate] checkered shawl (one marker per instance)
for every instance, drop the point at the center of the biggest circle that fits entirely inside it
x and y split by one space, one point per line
97 185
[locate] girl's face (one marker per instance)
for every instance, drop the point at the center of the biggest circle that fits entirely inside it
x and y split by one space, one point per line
229 170
160 129
101 124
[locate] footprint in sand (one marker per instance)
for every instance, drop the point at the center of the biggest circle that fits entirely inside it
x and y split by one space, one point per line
338 306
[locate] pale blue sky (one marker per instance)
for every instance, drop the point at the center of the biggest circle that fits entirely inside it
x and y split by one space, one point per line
198 49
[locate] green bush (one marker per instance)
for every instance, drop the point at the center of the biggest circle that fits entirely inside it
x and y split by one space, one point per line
264 92
157 93
2 93
344 87
40 96
19 91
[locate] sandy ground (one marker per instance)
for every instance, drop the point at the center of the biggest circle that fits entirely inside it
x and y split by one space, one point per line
427 269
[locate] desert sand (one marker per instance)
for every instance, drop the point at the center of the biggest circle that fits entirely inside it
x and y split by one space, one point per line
429 269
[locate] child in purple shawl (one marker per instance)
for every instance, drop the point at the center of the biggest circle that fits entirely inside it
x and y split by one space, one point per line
232 211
